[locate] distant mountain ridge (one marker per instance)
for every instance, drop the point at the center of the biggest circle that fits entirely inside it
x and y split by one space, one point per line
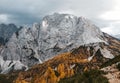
6 31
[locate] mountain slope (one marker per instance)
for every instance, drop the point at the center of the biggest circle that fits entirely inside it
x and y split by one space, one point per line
63 44
57 33
74 62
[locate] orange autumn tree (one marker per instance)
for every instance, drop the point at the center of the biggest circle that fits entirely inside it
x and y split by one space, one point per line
64 72
61 70
38 79
70 72
20 81
50 76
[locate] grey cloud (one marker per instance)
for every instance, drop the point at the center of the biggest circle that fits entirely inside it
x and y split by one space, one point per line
29 11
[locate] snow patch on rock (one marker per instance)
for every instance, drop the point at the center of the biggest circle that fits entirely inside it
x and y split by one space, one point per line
72 66
106 53
44 25
90 58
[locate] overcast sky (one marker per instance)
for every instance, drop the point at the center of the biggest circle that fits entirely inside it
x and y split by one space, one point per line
104 13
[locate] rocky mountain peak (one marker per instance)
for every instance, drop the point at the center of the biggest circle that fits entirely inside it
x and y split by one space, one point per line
57 33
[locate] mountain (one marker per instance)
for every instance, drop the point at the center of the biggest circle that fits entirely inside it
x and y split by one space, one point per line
89 57
56 34
6 31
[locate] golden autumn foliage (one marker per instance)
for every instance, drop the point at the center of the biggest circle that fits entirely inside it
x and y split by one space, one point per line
70 72
40 80
20 81
65 72
62 63
50 76
60 68
62 75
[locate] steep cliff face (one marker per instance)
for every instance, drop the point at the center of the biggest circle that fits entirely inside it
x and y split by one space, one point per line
57 33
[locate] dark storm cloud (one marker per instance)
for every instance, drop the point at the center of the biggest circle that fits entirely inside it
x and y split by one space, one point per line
27 11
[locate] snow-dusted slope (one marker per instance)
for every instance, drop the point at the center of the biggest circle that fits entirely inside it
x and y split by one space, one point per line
55 34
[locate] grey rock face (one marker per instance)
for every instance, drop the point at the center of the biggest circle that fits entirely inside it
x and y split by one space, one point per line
55 34
6 31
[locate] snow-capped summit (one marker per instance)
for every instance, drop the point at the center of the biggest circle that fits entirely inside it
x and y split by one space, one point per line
55 34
